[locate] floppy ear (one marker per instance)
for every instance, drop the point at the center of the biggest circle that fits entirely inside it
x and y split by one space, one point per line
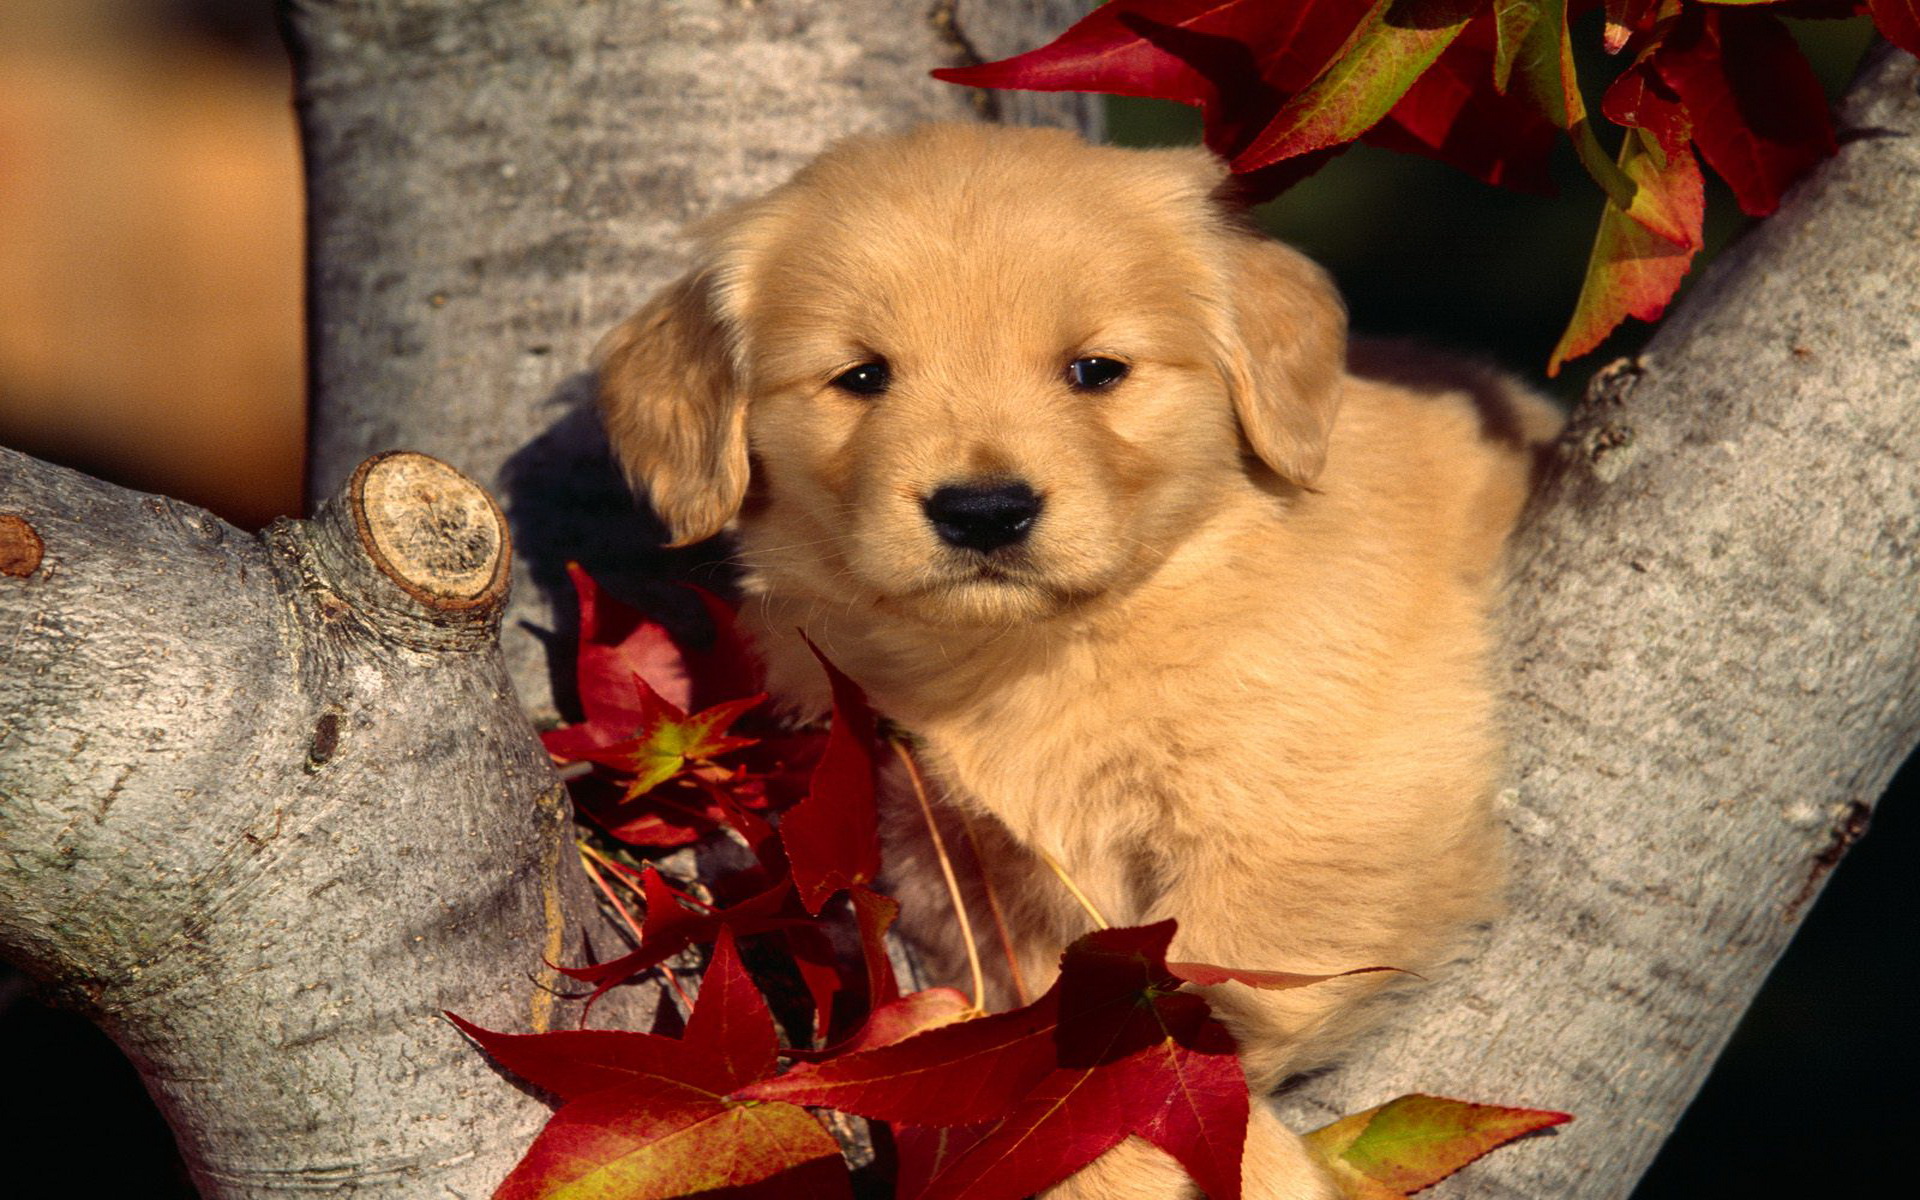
1285 356
675 411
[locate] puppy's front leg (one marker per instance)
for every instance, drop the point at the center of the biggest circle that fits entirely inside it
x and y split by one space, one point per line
1276 1166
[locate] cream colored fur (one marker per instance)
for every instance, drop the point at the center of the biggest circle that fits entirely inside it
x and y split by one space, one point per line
1237 675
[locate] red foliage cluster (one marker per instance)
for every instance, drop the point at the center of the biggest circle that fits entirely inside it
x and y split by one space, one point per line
1488 86
658 782
979 1106
655 781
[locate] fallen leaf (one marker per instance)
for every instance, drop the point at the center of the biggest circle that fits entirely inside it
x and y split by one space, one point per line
1113 1049
665 741
957 1074
895 1021
666 1142
646 1117
924 1153
873 915
617 643
674 922
833 836
1415 1141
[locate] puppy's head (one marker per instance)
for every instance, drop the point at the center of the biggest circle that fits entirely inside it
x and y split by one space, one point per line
969 374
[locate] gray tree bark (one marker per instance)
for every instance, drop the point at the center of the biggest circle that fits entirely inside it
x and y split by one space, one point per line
266 807
1715 646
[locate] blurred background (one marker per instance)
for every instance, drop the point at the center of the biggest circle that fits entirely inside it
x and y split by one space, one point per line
150 292
150 248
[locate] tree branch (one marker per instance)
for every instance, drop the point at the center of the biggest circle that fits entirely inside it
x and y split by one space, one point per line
1716 670
268 805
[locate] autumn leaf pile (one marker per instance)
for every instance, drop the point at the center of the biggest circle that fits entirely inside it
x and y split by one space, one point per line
676 747
1488 86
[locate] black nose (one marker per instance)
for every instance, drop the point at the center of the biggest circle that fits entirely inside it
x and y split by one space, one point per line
982 517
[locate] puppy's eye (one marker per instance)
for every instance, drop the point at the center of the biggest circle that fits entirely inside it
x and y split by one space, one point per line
867 379
1089 374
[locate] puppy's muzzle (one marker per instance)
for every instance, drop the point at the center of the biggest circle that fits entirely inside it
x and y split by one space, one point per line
982 517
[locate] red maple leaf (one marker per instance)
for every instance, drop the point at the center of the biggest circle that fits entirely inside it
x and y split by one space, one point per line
833 836
1238 61
1113 1049
1898 21
636 686
664 741
1458 113
993 1106
1485 85
845 990
873 915
922 1151
647 1117
829 842
925 1152
618 642
660 786
1758 113
675 921
894 1021
771 775
677 813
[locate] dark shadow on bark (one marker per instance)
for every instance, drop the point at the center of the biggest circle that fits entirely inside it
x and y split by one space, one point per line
566 501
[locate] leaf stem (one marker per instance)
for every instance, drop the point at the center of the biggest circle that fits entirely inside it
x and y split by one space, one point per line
593 873
1093 911
1601 166
993 906
946 868
680 990
622 871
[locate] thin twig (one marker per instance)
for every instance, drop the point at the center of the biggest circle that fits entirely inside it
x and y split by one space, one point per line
946 868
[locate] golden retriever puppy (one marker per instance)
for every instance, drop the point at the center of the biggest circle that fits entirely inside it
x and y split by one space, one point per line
1066 465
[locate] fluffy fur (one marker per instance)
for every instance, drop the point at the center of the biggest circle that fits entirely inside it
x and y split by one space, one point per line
1236 674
